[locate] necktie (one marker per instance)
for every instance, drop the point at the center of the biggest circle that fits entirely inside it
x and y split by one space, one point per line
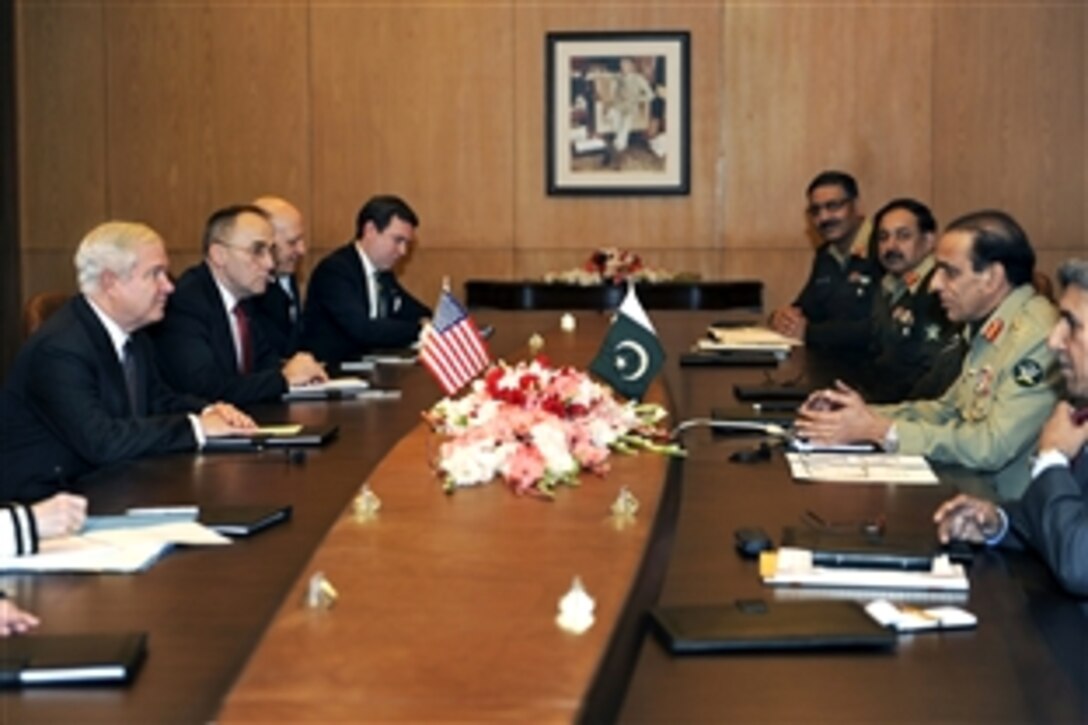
132 378
287 285
245 342
382 288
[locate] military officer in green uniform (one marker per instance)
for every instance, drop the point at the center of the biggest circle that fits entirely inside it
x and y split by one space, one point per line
989 419
915 348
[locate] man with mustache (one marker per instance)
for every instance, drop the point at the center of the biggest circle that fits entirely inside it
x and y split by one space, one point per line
832 311
84 391
911 334
989 419
1052 516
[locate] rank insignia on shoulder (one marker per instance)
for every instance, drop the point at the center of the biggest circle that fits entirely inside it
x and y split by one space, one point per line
1027 373
993 329
933 332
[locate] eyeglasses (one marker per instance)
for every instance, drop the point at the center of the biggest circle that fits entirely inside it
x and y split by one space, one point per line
257 250
829 206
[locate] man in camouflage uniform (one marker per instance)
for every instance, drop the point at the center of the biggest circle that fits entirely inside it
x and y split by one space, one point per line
910 334
989 420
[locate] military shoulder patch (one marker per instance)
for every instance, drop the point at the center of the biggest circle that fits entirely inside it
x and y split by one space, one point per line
1027 373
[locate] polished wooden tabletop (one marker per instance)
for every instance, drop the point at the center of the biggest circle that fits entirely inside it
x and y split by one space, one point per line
209 611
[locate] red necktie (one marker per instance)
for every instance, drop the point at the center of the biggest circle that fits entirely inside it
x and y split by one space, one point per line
244 340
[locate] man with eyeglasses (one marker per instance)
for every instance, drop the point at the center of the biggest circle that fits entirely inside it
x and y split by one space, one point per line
279 309
355 304
832 310
209 343
989 419
84 391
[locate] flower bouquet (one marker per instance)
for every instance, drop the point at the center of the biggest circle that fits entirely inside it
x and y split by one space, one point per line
538 426
610 265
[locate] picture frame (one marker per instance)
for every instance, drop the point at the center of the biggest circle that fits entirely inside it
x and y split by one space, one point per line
617 108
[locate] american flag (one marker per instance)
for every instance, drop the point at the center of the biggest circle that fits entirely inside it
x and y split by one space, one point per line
453 351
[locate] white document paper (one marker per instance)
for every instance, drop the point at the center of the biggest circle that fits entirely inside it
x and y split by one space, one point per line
907 618
751 338
793 567
861 468
119 550
340 386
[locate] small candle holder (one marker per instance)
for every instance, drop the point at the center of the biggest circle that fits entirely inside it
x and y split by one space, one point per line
536 344
366 505
576 609
626 505
568 323
320 593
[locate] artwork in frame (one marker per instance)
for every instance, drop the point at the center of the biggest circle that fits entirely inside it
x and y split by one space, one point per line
617 107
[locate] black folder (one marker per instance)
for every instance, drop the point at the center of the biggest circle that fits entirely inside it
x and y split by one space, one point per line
759 393
308 437
748 415
758 625
66 659
242 520
859 549
730 358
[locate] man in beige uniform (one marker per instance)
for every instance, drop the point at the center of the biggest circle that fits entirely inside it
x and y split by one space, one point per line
989 419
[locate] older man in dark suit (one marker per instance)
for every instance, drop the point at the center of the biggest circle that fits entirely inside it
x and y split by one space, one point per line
279 309
1052 516
209 342
354 303
85 391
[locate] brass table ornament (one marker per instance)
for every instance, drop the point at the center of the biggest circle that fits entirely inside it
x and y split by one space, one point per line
366 505
626 505
320 593
536 343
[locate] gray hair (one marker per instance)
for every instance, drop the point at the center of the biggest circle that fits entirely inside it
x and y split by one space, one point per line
110 246
1074 272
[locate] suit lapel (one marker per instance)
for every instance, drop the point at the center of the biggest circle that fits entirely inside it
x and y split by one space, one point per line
116 396
222 335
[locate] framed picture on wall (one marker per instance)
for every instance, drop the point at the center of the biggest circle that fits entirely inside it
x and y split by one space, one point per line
617 106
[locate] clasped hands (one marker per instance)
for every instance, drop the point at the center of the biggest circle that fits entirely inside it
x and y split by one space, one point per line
839 415
789 321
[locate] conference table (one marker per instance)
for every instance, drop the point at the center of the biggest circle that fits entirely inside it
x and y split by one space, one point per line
447 604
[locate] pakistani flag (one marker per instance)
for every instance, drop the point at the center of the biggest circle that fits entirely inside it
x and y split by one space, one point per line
631 355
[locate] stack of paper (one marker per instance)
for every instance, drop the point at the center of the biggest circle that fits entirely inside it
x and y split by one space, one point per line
861 468
747 338
794 567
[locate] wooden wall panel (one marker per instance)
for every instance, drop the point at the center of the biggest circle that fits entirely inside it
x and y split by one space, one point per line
61 118
814 87
208 106
417 101
1009 123
164 111
550 224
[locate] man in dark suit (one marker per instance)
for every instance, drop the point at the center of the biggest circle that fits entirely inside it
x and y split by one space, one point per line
1052 516
354 303
84 391
209 342
279 309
